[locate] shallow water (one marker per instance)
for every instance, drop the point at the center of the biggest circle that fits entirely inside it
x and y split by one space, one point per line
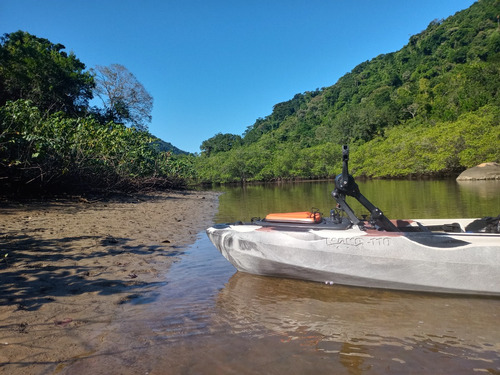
209 319
253 323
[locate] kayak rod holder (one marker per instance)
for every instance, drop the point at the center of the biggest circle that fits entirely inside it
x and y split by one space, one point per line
346 186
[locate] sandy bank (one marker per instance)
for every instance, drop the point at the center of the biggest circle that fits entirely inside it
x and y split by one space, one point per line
72 265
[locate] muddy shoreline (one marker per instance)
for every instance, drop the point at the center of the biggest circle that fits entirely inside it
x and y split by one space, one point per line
69 267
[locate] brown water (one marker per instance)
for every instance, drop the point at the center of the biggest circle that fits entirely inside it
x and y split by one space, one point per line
209 319
397 199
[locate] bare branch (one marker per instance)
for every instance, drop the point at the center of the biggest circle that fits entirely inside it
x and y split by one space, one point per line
124 98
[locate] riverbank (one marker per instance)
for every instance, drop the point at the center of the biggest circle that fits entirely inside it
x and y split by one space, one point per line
70 266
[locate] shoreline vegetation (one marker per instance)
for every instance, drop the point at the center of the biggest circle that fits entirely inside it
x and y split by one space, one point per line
53 141
53 153
431 110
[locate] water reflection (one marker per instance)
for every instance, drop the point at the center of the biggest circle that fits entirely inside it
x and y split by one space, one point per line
398 199
209 319
482 189
363 327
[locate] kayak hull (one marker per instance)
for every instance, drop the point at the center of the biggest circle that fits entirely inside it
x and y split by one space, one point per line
463 263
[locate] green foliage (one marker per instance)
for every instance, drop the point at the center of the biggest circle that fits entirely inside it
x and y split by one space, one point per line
167 146
43 152
257 163
281 112
427 109
48 140
444 148
220 143
35 69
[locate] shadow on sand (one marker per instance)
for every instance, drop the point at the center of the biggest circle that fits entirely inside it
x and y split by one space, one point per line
36 271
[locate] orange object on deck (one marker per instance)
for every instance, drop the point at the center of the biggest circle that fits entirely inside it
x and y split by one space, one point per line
304 217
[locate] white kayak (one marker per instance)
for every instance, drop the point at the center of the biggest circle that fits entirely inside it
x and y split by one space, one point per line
424 255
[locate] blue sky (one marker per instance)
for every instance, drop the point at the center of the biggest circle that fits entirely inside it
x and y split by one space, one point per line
217 65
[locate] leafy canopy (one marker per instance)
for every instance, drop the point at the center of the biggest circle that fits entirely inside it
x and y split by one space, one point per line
51 140
35 69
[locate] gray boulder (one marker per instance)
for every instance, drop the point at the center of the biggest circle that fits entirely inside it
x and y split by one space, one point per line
485 171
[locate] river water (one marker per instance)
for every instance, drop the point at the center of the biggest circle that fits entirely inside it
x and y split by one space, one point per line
209 319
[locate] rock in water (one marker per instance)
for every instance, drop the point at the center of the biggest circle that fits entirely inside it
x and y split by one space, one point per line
485 171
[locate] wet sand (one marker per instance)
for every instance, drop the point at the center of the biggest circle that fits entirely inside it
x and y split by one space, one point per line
70 267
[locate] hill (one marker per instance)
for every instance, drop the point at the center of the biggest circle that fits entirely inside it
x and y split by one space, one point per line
431 108
168 147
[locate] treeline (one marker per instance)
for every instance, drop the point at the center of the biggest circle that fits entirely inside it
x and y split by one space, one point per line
51 139
431 108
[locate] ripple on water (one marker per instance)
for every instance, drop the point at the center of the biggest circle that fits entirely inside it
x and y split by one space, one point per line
233 320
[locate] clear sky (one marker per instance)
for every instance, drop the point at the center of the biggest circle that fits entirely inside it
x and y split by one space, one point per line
217 65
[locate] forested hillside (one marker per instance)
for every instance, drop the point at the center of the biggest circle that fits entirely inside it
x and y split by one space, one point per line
431 108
